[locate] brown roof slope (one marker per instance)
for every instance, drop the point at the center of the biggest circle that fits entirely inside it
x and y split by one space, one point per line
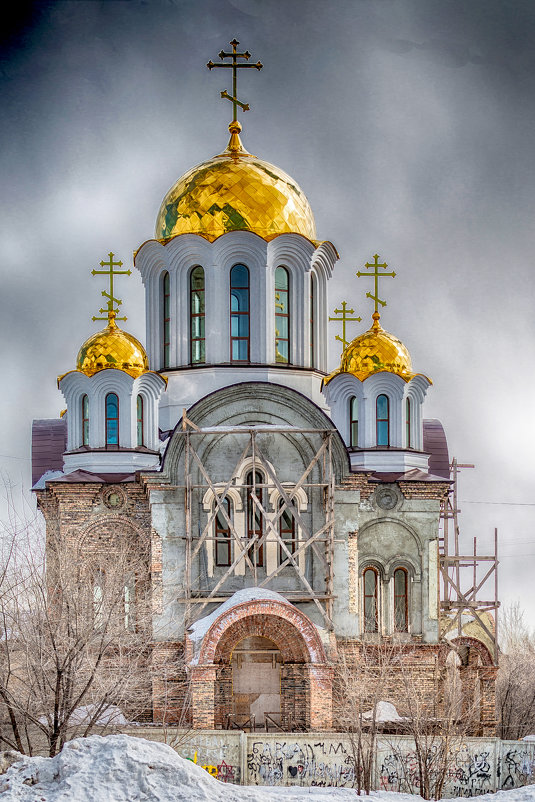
436 445
49 442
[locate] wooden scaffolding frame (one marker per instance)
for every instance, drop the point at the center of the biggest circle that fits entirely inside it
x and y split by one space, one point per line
320 541
461 585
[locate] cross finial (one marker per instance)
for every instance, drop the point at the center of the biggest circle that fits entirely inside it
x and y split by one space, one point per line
344 319
235 66
111 310
376 276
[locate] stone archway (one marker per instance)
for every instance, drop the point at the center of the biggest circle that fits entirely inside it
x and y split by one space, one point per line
305 676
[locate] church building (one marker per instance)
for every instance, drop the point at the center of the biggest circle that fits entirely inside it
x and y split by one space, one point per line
284 516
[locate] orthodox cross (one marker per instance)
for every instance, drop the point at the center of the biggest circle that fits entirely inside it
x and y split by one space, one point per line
344 319
376 276
110 311
235 66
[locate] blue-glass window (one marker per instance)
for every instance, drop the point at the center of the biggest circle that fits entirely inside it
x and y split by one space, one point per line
353 422
312 321
282 315
408 422
383 420
85 420
239 314
112 420
166 319
196 307
140 420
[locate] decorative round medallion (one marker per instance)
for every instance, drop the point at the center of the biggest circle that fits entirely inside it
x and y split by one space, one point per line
386 498
114 498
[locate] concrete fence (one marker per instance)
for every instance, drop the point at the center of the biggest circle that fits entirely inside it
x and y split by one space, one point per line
475 765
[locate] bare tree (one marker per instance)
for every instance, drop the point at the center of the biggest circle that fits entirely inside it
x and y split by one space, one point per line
515 687
74 648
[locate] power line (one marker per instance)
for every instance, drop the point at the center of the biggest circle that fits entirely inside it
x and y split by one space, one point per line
503 503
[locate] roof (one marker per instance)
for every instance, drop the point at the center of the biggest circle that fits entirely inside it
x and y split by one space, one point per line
436 445
49 442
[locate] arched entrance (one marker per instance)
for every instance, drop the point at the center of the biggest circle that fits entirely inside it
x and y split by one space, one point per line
255 633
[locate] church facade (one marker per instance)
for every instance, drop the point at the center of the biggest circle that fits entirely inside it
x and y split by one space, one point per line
283 518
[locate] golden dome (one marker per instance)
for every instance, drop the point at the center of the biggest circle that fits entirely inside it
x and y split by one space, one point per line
112 348
235 191
374 351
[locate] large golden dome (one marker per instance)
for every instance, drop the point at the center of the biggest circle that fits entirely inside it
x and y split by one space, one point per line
235 191
112 348
374 351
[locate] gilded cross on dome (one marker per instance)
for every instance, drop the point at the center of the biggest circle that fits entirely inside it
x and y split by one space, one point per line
344 319
235 65
376 275
110 311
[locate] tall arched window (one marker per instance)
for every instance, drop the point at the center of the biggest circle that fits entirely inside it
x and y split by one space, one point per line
196 307
312 320
353 422
383 420
371 613
140 414
401 607
223 537
408 422
255 519
287 533
85 420
282 315
239 314
166 319
112 420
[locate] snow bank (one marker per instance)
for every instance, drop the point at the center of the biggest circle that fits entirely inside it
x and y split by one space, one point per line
120 768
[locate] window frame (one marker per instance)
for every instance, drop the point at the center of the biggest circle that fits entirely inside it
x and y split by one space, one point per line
379 421
291 542
405 596
166 320
408 422
84 401
223 536
313 294
109 420
353 421
257 557
282 297
197 318
140 420
237 314
374 596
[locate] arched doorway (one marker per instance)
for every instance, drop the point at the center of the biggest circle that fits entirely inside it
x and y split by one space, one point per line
256 683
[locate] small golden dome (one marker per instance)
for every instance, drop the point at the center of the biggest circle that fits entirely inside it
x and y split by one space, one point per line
374 351
235 191
112 348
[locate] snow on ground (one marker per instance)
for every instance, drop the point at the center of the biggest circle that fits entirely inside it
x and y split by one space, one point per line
120 768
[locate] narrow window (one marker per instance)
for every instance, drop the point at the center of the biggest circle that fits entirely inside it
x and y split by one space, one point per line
223 536
166 319
282 315
196 305
408 422
112 420
353 422
239 314
287 533
85 420
383 421
400 600
140 421
370 600
98 599
312 321
130 601
255 519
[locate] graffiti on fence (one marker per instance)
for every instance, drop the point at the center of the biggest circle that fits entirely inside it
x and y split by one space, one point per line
222 771
516 766
292 763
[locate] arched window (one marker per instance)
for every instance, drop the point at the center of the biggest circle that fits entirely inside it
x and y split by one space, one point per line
255 519
130 601
408 422
112 420
166 319
401 607
196 307
282 315
312 320
98 599
287 533
383 420
223 537
140 412
239 314
371 613
353 422
85 420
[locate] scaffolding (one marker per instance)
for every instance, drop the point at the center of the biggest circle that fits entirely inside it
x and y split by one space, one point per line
465 576
318 541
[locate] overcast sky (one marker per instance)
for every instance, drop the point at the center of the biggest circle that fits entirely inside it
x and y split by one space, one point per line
410 127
